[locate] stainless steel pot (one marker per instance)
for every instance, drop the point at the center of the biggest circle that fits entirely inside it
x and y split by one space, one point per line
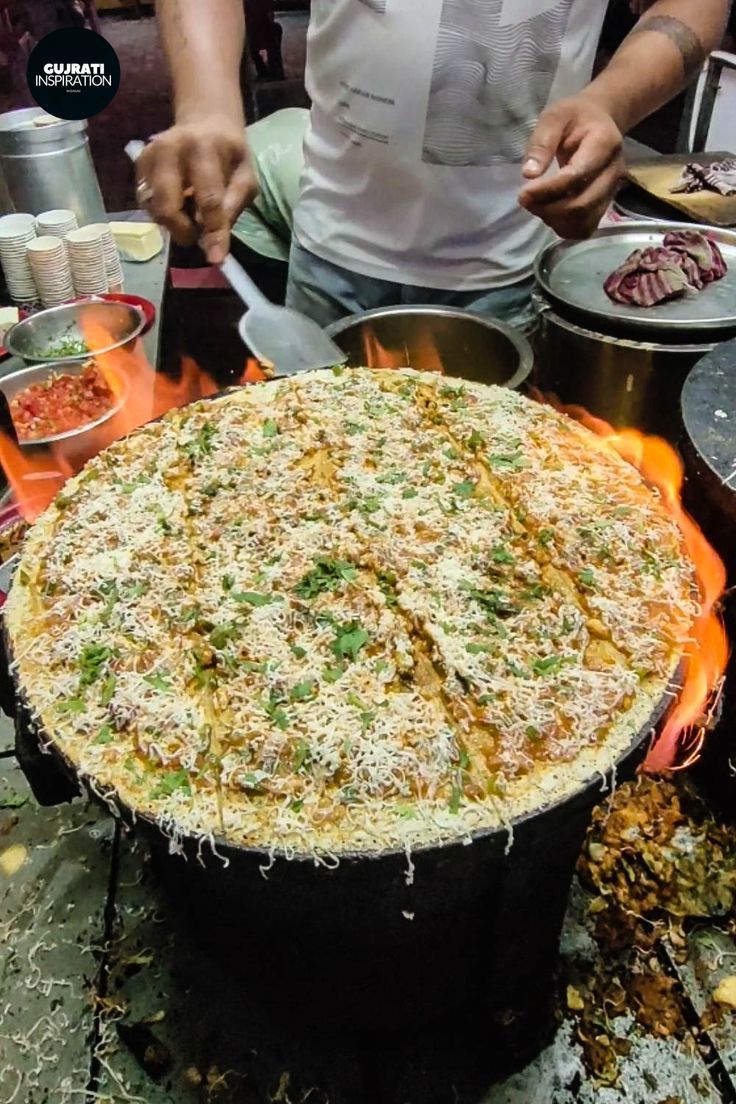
457 342
626 382
49 167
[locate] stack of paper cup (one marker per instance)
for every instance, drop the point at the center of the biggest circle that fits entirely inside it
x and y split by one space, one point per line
57 223
112 257
51 270
87 258
16 231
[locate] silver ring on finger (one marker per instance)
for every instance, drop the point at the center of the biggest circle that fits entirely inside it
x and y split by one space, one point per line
145 192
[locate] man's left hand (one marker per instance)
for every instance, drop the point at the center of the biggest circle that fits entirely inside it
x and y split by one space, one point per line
586 142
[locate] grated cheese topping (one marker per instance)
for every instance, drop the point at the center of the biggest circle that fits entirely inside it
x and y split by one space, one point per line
349 611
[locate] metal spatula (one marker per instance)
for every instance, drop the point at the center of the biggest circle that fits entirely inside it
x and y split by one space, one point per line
277 335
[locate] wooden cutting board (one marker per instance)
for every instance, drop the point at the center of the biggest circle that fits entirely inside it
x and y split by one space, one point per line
657 175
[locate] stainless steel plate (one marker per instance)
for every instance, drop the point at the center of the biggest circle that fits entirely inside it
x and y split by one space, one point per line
572 275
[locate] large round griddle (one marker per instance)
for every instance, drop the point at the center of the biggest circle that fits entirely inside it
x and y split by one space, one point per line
571 275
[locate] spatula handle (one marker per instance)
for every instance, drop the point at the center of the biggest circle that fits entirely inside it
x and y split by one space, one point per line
241 283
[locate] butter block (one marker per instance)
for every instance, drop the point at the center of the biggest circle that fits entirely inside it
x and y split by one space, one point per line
8 317
137 241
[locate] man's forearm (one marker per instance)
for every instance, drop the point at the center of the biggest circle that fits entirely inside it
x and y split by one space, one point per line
661 55
204 41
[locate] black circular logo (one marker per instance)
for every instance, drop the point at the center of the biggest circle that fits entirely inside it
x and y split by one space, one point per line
73 73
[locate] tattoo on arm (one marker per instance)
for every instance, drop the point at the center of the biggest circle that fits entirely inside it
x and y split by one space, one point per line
692 51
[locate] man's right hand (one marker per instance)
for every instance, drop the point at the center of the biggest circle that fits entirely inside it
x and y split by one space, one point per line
196 178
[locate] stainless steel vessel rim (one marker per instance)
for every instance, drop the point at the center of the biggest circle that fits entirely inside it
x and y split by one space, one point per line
61 366
626 342
646 320
131 308
515 337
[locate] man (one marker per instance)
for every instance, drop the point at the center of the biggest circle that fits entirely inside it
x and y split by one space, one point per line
447 139
264 36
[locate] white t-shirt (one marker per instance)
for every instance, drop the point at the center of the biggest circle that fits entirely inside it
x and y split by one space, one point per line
421 114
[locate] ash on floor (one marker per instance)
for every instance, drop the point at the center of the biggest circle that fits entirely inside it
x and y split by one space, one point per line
104 997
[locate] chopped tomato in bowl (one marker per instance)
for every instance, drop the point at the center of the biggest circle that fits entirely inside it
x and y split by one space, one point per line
61 403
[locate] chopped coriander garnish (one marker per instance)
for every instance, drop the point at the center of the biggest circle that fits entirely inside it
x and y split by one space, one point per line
303 690
351 637
492 601
298 651
253 598
270 428
409 492
301 754
273 707
105 735
506 461
201 444
325 576
221 635
466 489
478 649
475 441
387 582
534 592
587 577
108 690
158 682
170 783
502 555
228 582
545 536
71 707
332 674
547 665
92 662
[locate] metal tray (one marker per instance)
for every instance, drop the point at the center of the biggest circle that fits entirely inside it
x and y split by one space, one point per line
571 274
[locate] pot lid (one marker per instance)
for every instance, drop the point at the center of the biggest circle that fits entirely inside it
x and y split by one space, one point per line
572 273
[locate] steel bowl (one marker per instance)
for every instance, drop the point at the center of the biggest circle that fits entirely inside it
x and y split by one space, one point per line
457 342
15 382
37 338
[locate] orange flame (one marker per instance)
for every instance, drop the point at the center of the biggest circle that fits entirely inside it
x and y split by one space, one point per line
253 373
35 476
419 351
681 740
